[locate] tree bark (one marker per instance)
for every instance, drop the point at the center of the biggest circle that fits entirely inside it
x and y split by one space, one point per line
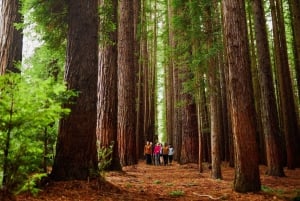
287 102
151 95
269 112
190 143
256 89
169 78
295 20
107 83
214 93
241 97
76 153
11 39
126 85
139 70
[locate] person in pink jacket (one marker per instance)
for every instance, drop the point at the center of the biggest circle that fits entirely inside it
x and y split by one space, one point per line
156 153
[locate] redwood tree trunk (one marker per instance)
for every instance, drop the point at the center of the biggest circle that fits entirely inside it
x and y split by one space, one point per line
214 87
287 103
126 85
169 78
190 142
241 97
295 19
76 153
11 39
107 85
269 109
140 141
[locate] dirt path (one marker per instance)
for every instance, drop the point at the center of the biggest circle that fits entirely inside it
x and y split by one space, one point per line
176 182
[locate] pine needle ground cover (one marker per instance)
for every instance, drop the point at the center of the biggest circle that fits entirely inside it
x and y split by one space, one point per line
176 182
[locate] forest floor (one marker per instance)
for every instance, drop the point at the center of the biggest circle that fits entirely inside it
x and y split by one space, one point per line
175 182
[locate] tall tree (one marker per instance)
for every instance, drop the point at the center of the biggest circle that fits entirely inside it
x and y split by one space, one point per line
256 86
138 68
169 76
269 113
126 85
150 72
179 59
214 87
11 39
76 153
190 143
286 96
225 73
295 19
189 129
107 81
241 97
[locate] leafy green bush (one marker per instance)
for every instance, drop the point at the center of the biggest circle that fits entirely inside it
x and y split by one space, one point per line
30 108
104 156
31 184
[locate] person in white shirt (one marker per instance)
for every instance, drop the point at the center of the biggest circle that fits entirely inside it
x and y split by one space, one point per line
170 154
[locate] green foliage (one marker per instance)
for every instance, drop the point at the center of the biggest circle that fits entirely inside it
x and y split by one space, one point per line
47 24
31 185
28 105
31 102
49 19
271 191
157 182
177 193
128 185
107 24
104 156
47 63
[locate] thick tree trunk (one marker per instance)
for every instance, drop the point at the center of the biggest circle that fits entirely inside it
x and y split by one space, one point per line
269 109
228 115
107 84
76 153
169 78
126 85
190 143
287 103
241 97
256 92
11 39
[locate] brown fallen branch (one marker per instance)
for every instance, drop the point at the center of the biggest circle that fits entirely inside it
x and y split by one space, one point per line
209 196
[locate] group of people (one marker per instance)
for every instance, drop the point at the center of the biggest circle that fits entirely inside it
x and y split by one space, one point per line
158 154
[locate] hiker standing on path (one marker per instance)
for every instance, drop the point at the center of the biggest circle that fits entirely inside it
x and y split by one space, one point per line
147 153
156 153
170 154
165 152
